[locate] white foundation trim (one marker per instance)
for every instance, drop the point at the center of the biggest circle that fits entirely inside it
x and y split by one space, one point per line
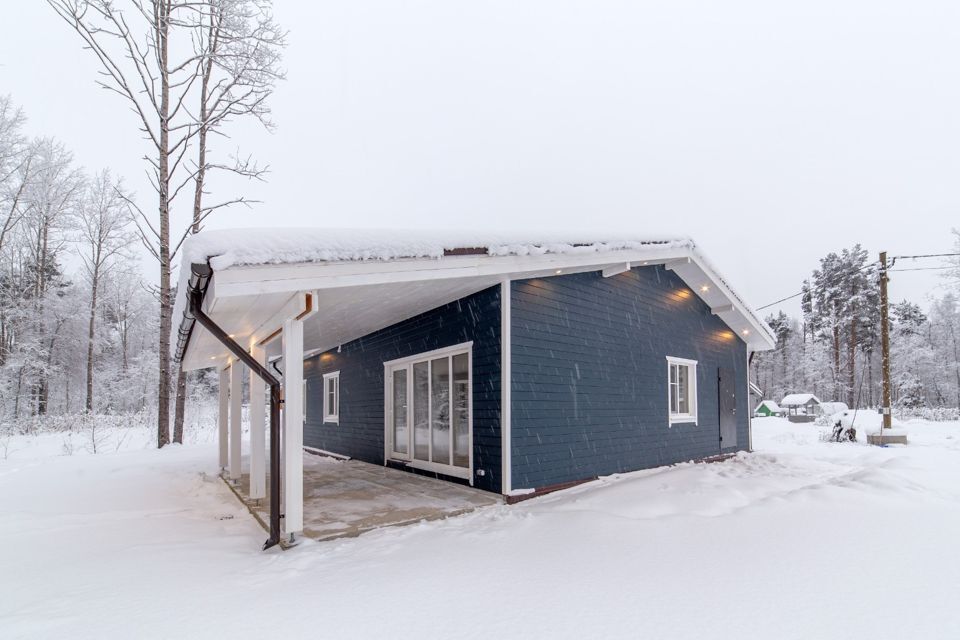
324 452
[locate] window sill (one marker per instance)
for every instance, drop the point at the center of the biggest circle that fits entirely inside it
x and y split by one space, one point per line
331 421
683 420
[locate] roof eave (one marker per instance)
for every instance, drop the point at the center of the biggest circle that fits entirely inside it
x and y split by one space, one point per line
264 279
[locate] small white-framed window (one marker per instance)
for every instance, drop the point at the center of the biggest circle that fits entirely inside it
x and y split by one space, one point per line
682 390
331 397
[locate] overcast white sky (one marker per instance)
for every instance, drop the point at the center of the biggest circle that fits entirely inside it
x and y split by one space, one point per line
772 133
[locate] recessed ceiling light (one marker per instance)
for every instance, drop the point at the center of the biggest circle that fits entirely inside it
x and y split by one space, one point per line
704 288
559 271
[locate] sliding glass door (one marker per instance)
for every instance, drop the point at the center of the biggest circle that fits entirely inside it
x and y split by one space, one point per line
428 411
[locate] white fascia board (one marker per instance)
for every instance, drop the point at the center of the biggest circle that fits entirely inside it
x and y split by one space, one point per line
678 262
760 337
615 269
191 363
210 297
292 308
294 305
237 281
725 304
267 279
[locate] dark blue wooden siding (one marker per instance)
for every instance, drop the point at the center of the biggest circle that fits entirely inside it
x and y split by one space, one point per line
360 433
589 390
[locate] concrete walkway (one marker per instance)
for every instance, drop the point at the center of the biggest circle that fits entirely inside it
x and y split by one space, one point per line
344 498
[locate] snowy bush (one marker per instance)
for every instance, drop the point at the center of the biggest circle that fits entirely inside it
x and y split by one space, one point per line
96 433
931 414
823 420
6 438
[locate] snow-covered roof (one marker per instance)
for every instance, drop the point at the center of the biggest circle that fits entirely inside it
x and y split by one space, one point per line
798 399
769 404
275 263
229 247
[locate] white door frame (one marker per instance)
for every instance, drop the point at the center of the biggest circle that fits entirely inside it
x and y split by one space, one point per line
410 460
391 452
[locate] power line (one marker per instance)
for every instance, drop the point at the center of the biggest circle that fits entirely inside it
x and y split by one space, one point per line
893 259
869 265
767 306
927 255
921 269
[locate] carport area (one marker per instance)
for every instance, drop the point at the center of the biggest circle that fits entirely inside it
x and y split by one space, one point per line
345 498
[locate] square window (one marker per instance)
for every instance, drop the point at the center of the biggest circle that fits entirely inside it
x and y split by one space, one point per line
682 389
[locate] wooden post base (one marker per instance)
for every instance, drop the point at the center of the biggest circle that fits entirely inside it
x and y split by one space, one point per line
886 438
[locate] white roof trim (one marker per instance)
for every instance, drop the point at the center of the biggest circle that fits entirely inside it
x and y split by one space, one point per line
273 282
262 279
265 279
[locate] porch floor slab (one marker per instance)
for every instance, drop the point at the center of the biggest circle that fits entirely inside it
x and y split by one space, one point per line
345 498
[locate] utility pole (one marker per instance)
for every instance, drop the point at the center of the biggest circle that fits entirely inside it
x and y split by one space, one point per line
887 434
885 341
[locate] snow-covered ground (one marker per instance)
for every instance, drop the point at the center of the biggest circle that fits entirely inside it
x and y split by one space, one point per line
801 539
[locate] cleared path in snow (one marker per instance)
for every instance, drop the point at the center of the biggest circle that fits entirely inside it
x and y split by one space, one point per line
801 539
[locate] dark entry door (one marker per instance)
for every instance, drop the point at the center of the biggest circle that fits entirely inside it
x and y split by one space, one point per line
728 408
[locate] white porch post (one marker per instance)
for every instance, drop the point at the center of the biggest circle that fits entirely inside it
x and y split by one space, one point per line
222 415
506 376
236 395
293 426
258 479
749 407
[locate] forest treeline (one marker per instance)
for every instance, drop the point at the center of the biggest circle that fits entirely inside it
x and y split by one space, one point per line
78 322
832 349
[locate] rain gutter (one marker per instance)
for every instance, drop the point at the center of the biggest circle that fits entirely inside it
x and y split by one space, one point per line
197 288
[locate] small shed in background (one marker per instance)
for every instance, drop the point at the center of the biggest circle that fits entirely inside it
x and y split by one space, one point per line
767 408
800 407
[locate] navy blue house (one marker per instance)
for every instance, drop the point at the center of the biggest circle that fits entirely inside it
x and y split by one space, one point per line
512 365
606 375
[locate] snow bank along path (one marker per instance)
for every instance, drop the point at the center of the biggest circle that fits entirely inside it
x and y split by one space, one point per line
802 539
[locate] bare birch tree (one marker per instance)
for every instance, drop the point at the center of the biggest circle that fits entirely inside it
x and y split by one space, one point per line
15 159
163 57
52 196
132 41
240 45
46 206
104 237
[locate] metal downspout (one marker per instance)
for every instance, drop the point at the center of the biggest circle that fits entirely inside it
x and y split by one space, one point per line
201 273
